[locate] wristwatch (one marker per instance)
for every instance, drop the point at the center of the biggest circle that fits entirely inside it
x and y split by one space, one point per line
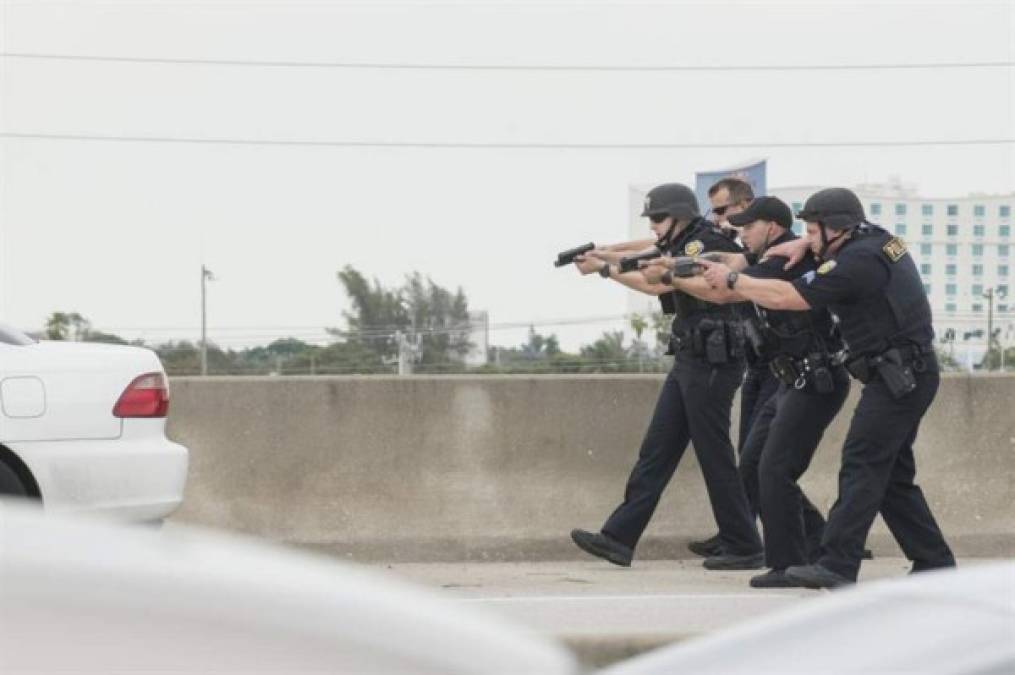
731 279
604 271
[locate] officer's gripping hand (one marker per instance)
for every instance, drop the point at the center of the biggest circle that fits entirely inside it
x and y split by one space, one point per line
714 273
794 250
653 270
587 264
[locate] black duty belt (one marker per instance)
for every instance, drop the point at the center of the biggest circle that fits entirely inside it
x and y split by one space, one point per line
814 369
715 340
894 366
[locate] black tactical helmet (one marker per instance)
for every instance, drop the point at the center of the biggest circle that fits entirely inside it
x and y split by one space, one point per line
673 199
835 208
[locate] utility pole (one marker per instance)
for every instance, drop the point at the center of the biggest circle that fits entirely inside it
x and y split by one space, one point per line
404 354
206 276
989 295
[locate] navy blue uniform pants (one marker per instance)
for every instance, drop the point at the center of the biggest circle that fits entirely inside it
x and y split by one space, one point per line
778 451
877 475
694 405
759 386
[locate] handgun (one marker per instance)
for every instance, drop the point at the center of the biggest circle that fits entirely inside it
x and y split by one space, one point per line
685 267
567 257
688 266
632 262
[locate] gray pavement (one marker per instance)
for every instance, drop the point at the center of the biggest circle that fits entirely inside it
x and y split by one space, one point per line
606 613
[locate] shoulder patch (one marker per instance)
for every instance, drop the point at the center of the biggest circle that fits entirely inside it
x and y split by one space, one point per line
694 248
826 267
894 248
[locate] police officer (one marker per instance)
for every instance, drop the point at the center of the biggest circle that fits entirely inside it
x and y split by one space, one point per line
800 348
867 278
728 197
695 401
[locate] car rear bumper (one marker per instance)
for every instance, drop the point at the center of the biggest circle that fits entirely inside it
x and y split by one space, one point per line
130 478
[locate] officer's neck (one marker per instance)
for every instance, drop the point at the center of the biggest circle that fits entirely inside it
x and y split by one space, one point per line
779 235
836 245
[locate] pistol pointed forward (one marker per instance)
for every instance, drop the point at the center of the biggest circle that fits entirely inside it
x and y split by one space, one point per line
567 257
685 267
633 262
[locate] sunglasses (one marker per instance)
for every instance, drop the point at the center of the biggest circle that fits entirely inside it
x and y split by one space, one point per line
658 217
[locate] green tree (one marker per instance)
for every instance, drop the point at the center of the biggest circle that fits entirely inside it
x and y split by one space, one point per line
992 359
109 338
440 318
376 313
607 354
639 350
420 308
67 326
73 326
661 329
540 346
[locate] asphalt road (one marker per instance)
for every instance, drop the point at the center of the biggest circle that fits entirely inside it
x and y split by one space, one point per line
606 612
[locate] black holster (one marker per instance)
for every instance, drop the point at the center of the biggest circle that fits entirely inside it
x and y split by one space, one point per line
893 369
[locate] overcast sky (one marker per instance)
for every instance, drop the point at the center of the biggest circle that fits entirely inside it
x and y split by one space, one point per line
118 230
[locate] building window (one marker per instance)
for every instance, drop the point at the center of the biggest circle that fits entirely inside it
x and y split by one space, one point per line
977 250
927 209
1002 290
977 270
1002 270
950 270
900 209
1001 309
900 229
797 206
1004 211
950 307
953 230
925 269
875 209
977 307
953 209
952 249
979 210
977 290
950 289
1004 230
926 289
978 230
1002 250
925 249
928 230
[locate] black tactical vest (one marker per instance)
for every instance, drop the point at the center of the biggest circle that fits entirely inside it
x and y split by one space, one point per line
687 309
898 314
796 334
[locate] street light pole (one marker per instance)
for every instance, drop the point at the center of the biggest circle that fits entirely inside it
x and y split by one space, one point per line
206 276
990 322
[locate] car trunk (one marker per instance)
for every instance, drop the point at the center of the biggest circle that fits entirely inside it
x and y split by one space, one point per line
66 390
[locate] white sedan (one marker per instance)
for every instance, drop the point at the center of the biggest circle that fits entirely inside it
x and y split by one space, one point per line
83 428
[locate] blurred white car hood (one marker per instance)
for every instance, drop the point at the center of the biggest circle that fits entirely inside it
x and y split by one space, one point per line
81 596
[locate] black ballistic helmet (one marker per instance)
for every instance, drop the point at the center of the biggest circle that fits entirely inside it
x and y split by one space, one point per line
835 208
673 199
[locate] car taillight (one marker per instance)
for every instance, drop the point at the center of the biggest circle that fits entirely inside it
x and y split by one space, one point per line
146 396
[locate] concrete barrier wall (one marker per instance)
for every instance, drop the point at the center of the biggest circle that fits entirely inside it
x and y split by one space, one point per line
447 468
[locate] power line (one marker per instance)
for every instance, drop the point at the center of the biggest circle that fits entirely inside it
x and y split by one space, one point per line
506 67
486 145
